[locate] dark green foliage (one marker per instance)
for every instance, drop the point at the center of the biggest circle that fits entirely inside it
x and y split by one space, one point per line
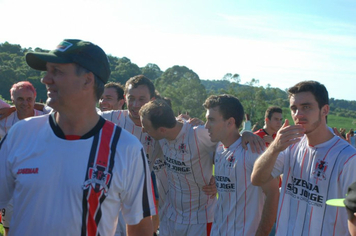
182 85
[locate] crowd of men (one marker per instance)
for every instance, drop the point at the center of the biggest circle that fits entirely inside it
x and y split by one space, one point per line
74 169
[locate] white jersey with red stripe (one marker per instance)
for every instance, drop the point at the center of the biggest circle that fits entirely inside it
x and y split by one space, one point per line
122 119
8 122
240 204
75 187
312 175
189 165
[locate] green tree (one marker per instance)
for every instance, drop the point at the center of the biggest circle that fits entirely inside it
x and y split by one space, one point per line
183 87
151 71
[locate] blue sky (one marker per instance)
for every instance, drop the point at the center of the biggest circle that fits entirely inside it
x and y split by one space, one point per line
277 42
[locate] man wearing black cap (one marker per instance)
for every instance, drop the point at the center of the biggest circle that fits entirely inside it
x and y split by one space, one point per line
68 172
349 202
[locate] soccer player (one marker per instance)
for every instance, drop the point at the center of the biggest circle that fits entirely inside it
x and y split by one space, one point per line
242 209
73 168
112 98
138 91
316 166
273 122
187 151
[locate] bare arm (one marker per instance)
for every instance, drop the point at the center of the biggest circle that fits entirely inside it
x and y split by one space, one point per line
144 228
270 207
263 166
6 111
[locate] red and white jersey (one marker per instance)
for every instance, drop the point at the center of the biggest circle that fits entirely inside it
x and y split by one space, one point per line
75 187
189 165
5 124
312 175
162 185
122 119
240 204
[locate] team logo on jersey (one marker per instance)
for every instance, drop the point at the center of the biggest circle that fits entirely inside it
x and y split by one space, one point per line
320 169
182 149
148 141
231 161
98 179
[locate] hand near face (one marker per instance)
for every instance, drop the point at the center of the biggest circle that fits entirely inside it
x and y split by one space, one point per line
287 135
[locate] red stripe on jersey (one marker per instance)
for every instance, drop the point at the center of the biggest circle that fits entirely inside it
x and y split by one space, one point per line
338 179
301 169
310 219
330 149
245 192
186 180
208 228
337 213
93 203
317 180
284 193
102 161
301 175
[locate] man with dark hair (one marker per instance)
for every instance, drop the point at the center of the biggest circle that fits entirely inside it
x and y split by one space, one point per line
113 97
138 91
73 162
273 122
188 156
187 152
242 209
316 165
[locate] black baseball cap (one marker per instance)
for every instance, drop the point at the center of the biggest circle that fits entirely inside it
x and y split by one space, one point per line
349 201
85 54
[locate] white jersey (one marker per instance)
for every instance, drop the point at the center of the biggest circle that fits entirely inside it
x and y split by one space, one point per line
3 105
152 149
8 122
189 165
122 119
76 187
312 175
240 204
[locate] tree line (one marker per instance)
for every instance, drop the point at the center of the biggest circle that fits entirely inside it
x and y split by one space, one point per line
179 83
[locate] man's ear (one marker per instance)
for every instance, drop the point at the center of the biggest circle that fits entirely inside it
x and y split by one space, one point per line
325 109
231 121
89 79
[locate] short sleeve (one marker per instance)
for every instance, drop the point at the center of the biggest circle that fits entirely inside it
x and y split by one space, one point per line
137 201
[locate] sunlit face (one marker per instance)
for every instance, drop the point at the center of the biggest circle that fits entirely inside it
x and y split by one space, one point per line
215 124
305 111
109 100
24 101
275 123
63 85
147 128
135 99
